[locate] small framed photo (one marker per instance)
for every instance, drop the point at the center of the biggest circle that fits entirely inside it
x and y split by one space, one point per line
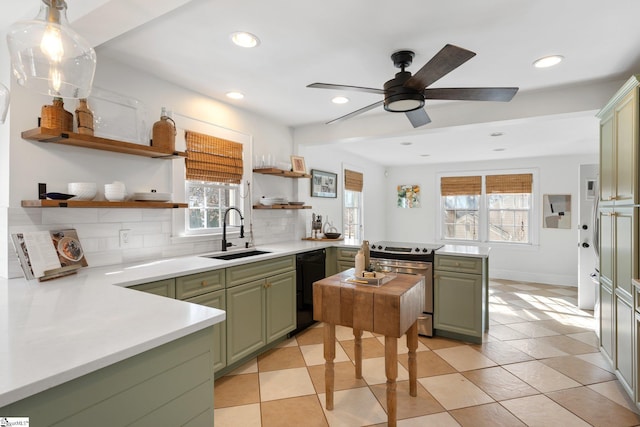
324 184
297 164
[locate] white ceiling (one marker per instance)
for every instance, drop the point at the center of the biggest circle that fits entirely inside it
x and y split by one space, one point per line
350 42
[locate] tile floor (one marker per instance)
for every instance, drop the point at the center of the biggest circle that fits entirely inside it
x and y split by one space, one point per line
539 366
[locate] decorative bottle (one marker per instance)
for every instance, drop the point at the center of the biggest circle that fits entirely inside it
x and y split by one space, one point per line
84 118
56 117
359 263
365 252
163 135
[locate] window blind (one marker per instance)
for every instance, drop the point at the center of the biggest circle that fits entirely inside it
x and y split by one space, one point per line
461 185
353 180
213 159
513 183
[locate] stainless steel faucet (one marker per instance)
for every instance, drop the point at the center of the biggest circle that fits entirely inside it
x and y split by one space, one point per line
225 245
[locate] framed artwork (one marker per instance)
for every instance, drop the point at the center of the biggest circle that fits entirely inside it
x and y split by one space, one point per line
324 184
297 164
556 211
408 196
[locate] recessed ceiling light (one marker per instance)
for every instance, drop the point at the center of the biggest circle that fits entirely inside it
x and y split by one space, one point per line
235 95
340 100
499 149
425 155
406 143
548 61
496 134
244 39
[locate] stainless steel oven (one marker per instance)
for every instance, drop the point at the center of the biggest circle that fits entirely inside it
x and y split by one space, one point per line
409 258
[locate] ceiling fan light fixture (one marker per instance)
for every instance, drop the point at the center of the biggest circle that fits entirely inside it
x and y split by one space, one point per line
49 57
244 39
548 61
401 103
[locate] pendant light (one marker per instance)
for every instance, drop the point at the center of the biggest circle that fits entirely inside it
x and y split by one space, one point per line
48 57
4 102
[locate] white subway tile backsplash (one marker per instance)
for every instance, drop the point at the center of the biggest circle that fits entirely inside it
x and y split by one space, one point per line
97 230
155 240
55 216
120 215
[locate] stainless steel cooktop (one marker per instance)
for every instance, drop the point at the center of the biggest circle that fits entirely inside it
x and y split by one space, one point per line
389 247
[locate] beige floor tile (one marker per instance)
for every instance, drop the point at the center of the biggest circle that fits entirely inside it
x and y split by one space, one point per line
464 358
505 333
248 368
454 391
373 371
285 383
522 287
541 411
565 291
344 377
289 342
429 364
532 314
591 407
296 411
280 358
353 407
371 347
490 415
310 336
568 345
536 348
532 329
502 353
540 376
613 390
343 333
402 345
245 415
579 370
408 406
236 390
435 343
505 318
314 354
499 383
596 359
443 419
589 338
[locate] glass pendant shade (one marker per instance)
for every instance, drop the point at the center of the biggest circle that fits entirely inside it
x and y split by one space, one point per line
47 56
4 102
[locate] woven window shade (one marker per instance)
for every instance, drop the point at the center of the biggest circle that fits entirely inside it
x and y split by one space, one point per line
352 180
514 183
461 185
213 159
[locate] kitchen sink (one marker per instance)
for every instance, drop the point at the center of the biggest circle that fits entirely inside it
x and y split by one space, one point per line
236 255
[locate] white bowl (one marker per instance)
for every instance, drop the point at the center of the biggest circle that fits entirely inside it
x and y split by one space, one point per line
115 197
82 190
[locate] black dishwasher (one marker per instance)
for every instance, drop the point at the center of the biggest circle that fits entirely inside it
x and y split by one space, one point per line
310 267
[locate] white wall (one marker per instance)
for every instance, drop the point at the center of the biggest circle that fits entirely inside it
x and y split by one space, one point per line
553 260
98 229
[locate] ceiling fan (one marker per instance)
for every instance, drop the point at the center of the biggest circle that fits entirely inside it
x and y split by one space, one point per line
407 94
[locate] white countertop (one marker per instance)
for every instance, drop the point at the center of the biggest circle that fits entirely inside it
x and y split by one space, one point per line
464 250
55 331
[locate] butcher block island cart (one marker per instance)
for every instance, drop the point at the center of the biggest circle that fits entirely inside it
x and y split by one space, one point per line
391 310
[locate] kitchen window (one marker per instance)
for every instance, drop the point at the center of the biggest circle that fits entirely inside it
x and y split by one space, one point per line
353 182
207 204
487 207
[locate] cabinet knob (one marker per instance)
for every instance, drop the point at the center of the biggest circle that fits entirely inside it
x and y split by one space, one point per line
457 264
267 285
203 283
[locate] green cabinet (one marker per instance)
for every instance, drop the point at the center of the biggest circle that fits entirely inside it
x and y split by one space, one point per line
164 288
217 300
460 296
345 258
245 320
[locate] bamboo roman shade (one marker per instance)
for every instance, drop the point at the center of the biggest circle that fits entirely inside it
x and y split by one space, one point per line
514 183
461 185
352 180
213 159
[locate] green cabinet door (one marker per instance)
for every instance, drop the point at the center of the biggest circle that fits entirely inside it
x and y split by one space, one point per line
281 305
458 298
245 320
216 300
164 288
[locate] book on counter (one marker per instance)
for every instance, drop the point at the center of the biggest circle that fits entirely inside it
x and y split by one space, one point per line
45 255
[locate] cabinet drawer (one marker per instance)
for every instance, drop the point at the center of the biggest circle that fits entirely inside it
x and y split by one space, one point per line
198 284
346 254
260 269
165 288
459 264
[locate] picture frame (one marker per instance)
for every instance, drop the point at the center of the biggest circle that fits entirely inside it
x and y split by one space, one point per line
297 164
324 184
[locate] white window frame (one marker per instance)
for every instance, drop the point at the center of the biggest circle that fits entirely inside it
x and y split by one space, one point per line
483 210
235 200
360 229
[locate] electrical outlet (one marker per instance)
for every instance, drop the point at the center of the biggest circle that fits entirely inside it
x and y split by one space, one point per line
124 238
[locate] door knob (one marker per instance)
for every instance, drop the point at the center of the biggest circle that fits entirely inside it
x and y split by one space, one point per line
585 245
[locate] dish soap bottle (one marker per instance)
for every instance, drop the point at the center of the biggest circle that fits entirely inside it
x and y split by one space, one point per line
359 263
163 135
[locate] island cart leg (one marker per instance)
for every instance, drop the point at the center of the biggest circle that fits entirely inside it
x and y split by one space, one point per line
329 355
391 369
357 333
412 345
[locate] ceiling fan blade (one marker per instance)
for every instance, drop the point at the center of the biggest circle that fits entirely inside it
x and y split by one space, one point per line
355 113
418 117
344 87
502 94
448 59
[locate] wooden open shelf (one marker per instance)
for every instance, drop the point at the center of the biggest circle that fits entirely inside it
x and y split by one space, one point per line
100 204
88 141
281 172
281 207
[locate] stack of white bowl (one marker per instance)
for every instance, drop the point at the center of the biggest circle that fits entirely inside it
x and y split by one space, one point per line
82 190
115 192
